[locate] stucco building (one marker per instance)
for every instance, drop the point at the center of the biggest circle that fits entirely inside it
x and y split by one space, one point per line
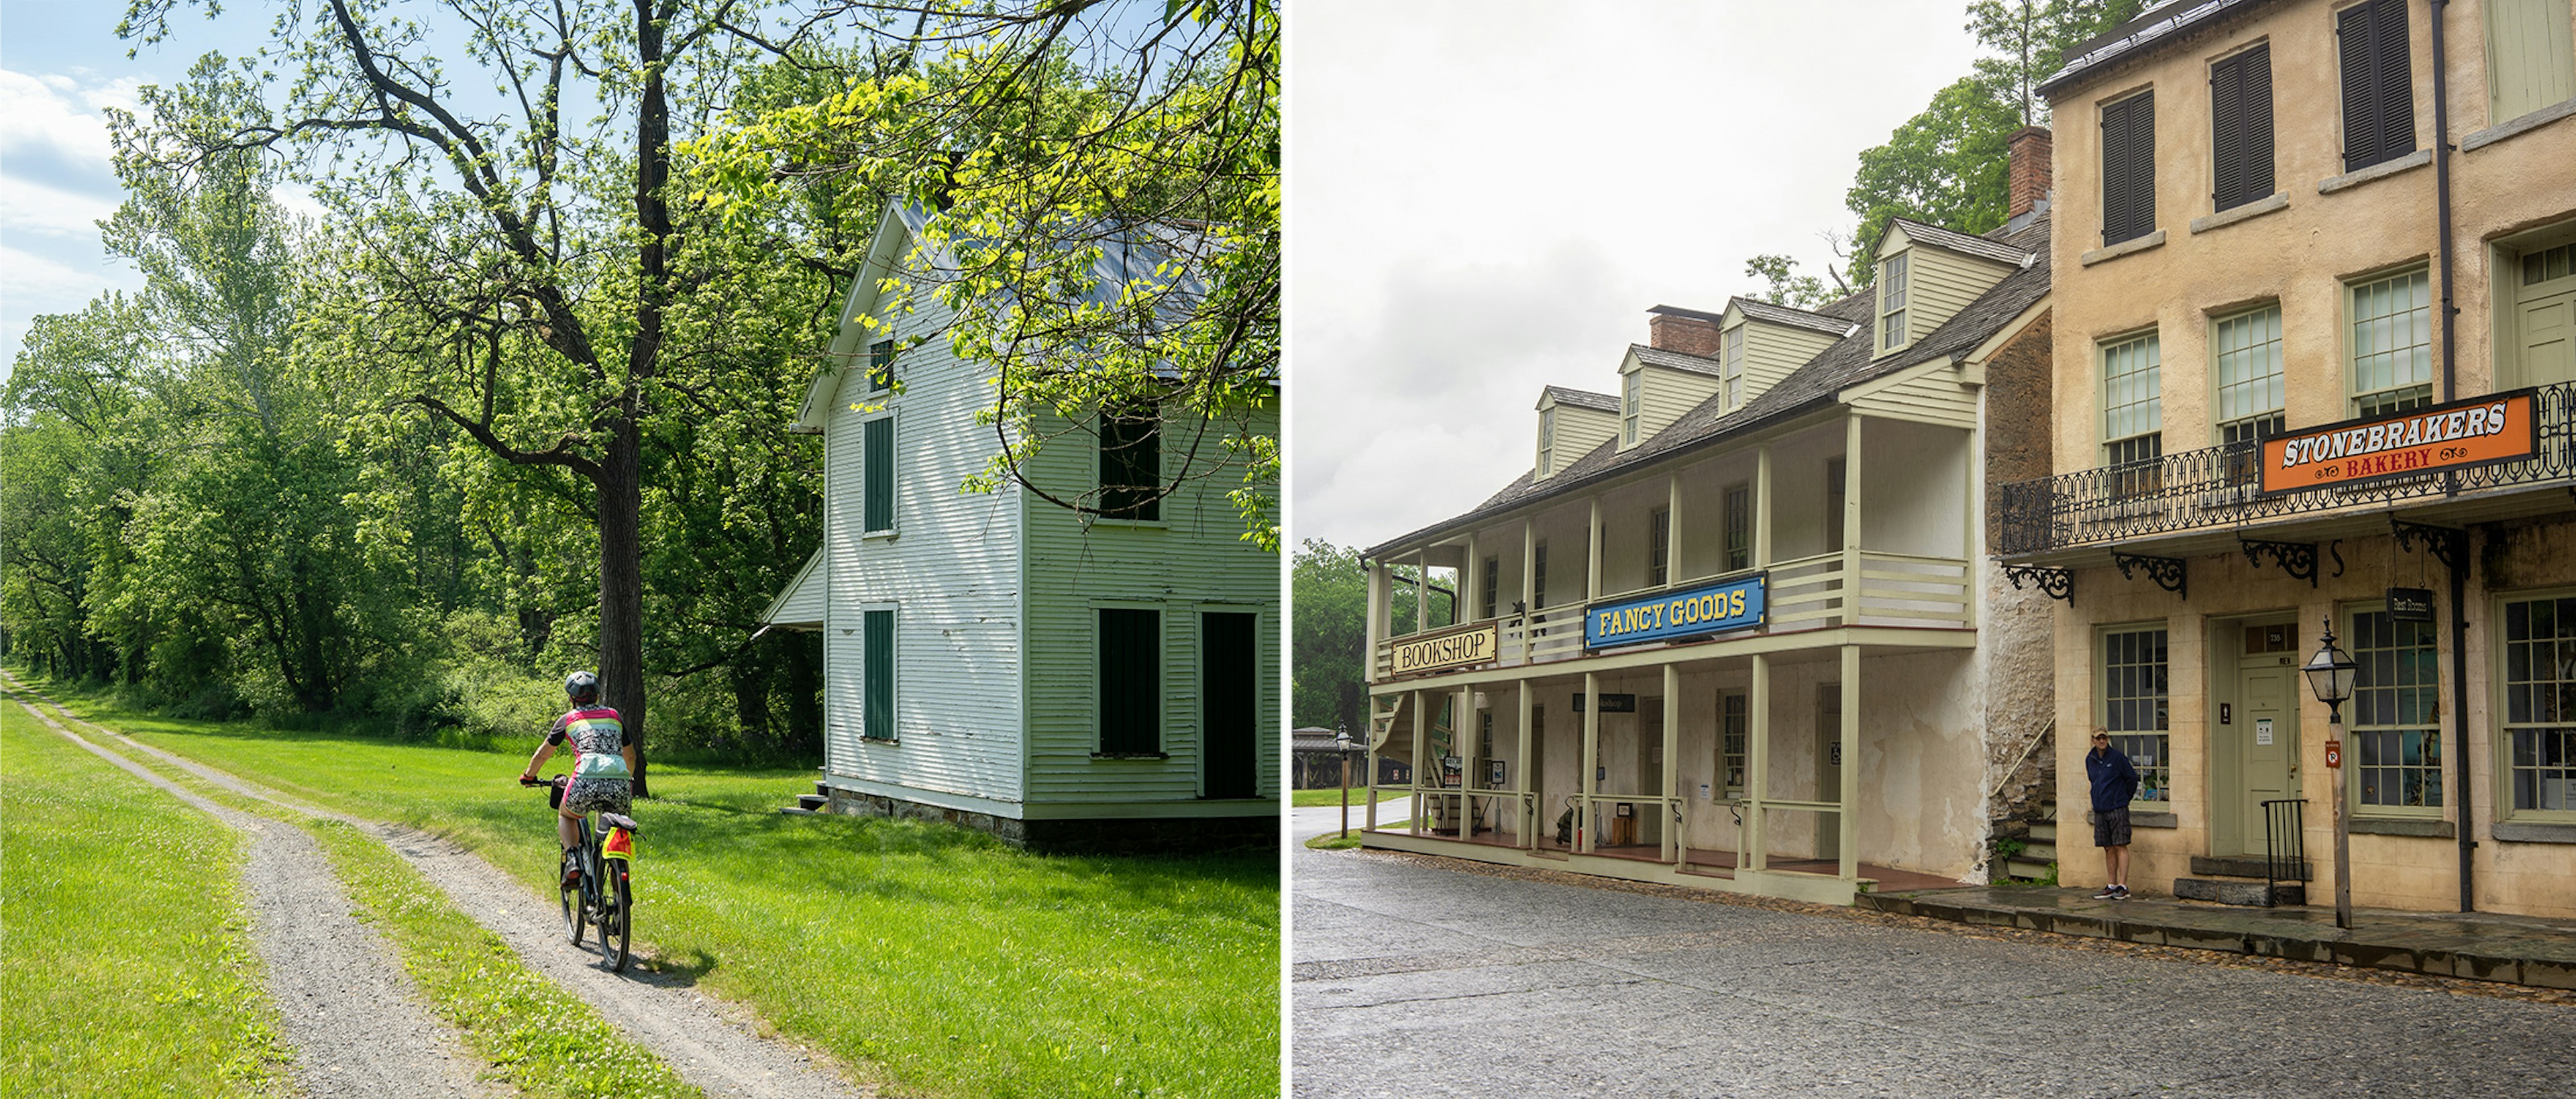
2313 287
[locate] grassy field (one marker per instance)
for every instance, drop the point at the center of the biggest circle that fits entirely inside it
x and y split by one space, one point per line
128 967
955 965
1307 799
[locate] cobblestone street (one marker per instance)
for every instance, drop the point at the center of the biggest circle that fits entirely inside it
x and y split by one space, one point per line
1411 980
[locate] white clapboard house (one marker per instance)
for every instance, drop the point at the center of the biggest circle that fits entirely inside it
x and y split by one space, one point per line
1064 680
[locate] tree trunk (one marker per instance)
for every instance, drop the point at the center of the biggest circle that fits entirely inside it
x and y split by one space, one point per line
621 586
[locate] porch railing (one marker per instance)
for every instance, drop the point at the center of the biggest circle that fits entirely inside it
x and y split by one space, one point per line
2221 486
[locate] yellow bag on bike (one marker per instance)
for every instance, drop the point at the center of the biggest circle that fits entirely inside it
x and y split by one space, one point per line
620 845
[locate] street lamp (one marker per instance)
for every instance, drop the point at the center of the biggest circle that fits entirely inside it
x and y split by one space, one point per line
1342 745
2330 675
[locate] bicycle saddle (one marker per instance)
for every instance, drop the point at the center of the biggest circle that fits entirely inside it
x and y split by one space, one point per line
622 821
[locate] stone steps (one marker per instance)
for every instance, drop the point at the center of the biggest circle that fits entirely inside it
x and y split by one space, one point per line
2039 850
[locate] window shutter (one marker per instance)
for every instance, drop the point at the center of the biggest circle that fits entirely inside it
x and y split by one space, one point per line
2396 81
1131 693
2360 122
2257 98
877 658
2227 131
2378 83
2129 168
877 495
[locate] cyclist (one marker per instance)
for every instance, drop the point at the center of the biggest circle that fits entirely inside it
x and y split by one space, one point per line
603 764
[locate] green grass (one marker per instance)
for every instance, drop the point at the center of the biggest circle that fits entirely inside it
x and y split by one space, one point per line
126 966
543 1039
1307 799
952 963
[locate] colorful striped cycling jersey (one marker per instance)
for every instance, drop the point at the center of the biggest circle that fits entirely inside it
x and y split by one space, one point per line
597 735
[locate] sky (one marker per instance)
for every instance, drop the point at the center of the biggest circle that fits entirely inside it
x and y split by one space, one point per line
1485 197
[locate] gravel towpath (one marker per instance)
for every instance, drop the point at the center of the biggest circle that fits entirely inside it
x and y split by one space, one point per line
716 1046
357 1025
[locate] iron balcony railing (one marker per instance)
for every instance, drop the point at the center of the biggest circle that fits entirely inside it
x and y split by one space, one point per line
2222 486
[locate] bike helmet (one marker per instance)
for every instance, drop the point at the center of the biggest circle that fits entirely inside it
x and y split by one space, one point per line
582 686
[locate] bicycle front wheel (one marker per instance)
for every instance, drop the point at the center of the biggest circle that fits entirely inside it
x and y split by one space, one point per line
617 915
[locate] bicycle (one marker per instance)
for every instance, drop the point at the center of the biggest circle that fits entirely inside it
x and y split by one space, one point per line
604 897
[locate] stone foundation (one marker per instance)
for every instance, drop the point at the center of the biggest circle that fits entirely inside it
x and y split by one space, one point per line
1120 836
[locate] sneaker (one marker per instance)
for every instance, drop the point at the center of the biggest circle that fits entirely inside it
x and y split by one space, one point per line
2108 893
571 873
2120 892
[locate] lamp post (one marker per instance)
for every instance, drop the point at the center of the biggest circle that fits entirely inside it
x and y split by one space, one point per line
2330 674
1342 745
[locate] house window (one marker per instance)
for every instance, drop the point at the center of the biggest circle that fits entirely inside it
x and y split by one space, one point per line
2540 704
1731 739
1659 547
876 688
2392 344
1834 501
1629 392
1731 367
2378 83
876 490
2134 707
2133 414
1546 439
1739 527
1131 464
1891 302
880 366
2240 128
2530 64
2248 349
1493 584
2129 168
1131 682
2397 738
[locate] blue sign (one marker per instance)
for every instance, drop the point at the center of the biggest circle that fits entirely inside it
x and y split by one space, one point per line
1710 608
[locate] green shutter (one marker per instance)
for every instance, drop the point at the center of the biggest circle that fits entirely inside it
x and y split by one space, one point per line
1131 681
877 660
877 509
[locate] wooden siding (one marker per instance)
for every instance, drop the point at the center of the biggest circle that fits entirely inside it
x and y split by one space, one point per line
1670 393
1772 351
1579 431
1939 284
1191 560
951 571
1931 393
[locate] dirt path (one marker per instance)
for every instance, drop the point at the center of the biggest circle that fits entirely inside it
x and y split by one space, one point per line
357 1025
715 1046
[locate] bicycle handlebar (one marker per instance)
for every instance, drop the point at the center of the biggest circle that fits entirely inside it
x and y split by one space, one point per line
526 781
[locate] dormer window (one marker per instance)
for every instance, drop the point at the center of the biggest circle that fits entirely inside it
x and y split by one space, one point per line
1731 367
1891 303
1631 393
1546 439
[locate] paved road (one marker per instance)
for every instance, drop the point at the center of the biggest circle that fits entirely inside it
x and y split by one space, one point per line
1415 981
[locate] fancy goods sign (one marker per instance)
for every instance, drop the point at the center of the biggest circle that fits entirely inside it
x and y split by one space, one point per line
2496 428
1709 608
1450 649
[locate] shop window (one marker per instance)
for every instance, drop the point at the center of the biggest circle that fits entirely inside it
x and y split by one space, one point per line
2135 710
2540 705
1493 584
1739 527
2391 344
2396 732
1732 732
1659 547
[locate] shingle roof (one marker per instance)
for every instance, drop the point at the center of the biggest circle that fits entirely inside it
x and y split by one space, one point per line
1582 398
1674 360
2140 36
1847 363
1757 309
1985 247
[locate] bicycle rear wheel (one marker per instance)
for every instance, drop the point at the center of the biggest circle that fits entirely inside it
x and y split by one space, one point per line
617 914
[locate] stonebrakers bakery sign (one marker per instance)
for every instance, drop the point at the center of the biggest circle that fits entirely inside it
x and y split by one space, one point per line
1709 608
1451 649
2497 428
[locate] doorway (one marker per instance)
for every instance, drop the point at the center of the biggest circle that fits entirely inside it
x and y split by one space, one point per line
2255 741
1230 704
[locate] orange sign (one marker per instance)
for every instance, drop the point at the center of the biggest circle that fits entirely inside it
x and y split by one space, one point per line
2334 755
2496 428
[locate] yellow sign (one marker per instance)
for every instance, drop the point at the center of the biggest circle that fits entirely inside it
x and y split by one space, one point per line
2497 428
1454 649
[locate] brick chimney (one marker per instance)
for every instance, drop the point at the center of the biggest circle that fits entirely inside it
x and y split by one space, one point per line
2030 168
1685 330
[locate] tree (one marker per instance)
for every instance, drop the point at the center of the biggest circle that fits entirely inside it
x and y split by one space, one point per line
1787 286
1327 638
1159 137
2031 38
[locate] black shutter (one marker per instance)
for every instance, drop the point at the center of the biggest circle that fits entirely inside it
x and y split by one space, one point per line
2240 109
1131 689
2129 168
2378 83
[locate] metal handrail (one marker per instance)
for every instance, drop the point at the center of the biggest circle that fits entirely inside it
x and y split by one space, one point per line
2285 845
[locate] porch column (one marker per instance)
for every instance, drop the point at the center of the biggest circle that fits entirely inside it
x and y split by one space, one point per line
1591 758
1463 727
1421 804
1757 758
1469 604
1851 521
1592 559
1529 593
1673 531
1422 589
1378 626
1527 786
1762 509
1369 758
1670 826
1971 589
1850 770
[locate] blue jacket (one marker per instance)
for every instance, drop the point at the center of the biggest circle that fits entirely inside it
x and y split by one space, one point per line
2115 779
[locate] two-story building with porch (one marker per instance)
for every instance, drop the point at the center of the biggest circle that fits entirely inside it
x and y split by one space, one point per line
2315 265
1737 627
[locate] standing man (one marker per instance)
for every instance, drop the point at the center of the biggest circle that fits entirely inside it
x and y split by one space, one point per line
2115 781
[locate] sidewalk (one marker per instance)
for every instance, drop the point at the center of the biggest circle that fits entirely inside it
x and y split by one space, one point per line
2524 950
